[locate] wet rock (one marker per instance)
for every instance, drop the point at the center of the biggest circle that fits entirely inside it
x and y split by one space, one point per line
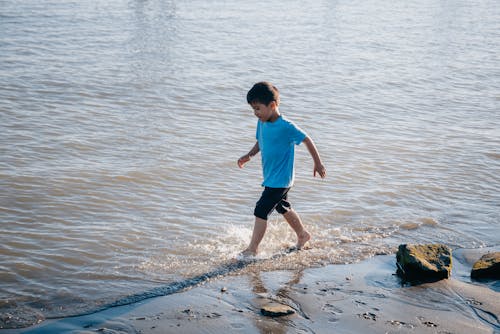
423 263
488 266
276 310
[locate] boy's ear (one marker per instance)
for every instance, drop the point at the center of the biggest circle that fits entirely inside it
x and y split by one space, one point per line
273 105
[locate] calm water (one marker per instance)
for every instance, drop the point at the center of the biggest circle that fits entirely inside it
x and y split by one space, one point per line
121 123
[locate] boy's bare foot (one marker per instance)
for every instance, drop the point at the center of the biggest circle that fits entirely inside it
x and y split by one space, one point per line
302 239
248 252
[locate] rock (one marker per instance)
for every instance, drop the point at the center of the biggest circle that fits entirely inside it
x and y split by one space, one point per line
488 266
424 263
276 310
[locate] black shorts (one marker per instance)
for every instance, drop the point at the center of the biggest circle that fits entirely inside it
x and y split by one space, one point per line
272 198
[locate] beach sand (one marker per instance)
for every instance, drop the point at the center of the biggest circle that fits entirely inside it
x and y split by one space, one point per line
365 297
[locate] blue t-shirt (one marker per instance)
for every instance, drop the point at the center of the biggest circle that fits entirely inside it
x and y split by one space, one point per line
277 142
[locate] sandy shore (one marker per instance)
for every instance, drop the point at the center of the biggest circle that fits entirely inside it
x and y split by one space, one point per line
357 298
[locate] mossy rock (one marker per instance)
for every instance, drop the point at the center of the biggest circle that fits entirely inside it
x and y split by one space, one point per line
488 267
424 263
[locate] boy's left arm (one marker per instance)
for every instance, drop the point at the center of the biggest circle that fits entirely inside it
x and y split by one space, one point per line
318 165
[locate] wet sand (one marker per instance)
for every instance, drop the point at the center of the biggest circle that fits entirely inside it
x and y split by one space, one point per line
365 297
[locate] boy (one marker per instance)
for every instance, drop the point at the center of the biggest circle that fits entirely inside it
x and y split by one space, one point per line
276 140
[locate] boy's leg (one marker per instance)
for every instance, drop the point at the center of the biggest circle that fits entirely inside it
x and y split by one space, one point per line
264 206
259 230
293 219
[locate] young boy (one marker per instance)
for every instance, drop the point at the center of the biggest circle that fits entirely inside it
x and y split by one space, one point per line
276 140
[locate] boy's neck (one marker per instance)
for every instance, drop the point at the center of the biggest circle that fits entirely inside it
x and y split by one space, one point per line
276 114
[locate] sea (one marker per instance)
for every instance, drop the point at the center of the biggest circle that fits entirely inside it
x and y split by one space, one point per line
121 123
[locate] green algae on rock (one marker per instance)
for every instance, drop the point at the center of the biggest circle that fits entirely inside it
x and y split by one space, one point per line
424 263
488 266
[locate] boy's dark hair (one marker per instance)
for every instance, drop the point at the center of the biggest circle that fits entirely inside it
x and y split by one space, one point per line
263 92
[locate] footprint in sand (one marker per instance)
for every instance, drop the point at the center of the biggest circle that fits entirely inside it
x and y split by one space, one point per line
237 326
401 324
334 310
427 323
368 316
473 302
331 308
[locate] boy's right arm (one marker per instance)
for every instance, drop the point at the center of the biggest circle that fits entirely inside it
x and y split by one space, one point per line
318 165
246 158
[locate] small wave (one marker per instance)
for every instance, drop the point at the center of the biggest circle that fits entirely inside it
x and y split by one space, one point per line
429 221
493 155
410 226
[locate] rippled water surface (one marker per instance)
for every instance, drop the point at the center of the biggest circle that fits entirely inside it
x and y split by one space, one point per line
121 123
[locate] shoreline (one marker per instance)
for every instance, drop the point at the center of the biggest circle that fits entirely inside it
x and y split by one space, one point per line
347 298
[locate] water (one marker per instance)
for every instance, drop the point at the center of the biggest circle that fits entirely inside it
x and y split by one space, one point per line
121 123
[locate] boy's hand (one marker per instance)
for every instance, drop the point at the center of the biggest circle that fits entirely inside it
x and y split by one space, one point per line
320 169
243 160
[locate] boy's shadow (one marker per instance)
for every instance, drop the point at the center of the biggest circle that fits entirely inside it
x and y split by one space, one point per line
263 297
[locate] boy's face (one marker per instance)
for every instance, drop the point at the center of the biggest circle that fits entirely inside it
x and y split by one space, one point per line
266 113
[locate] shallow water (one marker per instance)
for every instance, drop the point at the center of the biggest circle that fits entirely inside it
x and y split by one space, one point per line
121 124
